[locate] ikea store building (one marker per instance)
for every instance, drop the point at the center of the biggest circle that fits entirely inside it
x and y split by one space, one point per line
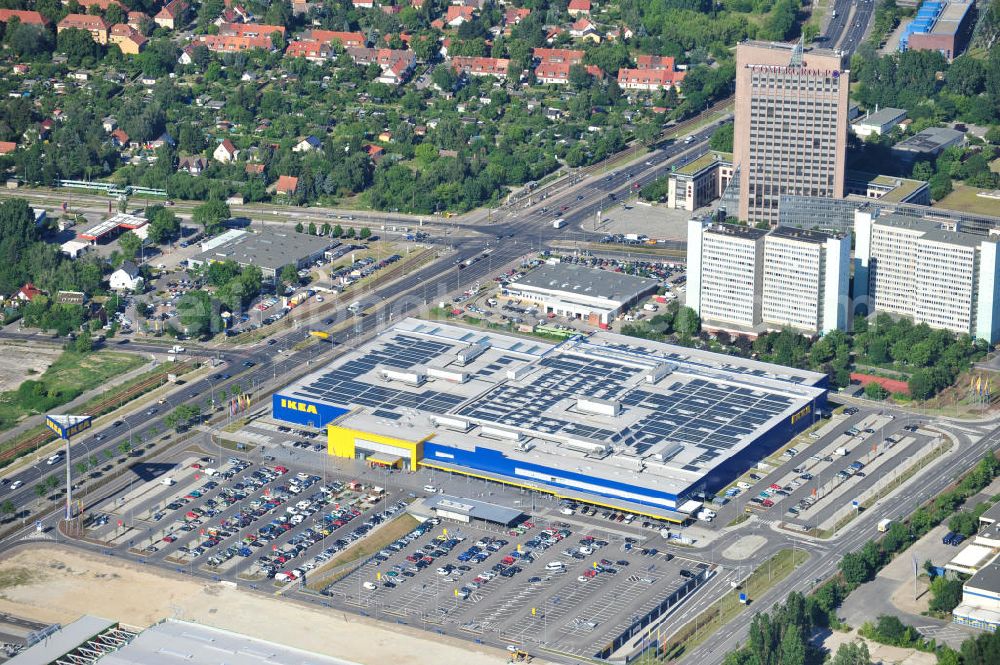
606 419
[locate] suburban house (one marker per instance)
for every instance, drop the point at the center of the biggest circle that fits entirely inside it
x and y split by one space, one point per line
95 25
473 66
7 147
192 165
558 56
457 15
126 278
577 8
655 62
310 49
28 292
129 40
234 43
120 138
286 185
24 16
514 15
558 72
648 79
171 16
346 39
225 152
584 29
250 30
307 144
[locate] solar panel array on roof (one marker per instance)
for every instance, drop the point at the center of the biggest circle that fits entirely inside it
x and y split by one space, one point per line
710 415
565 376
341 386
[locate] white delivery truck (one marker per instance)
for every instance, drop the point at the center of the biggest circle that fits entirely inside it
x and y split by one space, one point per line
559 223
883 525
843 452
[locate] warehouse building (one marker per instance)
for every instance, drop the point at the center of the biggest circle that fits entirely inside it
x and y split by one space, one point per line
980 606
268 250
90 640
610 420
940 26
927 145
580 292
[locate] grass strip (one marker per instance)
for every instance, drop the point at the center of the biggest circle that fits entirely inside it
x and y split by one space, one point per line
726 608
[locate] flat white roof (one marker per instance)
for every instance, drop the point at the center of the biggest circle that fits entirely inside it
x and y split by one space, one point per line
683 412
173 641
972 557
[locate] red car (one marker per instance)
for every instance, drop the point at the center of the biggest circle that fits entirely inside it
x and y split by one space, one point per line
767 503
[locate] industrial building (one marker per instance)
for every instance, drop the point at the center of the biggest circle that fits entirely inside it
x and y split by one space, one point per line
940 25
882 121
928 271
268 250
611 420
112 226
580 292
927 144
747 280
92 639
790 133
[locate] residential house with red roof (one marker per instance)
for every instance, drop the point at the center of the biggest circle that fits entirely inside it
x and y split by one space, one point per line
474 66
234 44
225 152
7 147
558 72
515 15
28 292
346 39
24 16
584 29
95 25
172 15
654 62
648 79
558 55
129 40
578 8
310 49
363 4
286 185
250 29
457 15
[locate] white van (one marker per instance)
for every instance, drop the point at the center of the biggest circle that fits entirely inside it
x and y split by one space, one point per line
555 566
55 458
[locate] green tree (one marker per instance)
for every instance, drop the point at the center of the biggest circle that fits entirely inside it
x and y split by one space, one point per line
852 653
289 275
722 138
84 343
875 391
129 244
7 508
312 228
79 47
365 233
124 447
687 322
164 225
946 594
198 314
211 216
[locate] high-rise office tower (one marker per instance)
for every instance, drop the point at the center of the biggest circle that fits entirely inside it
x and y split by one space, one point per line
790 133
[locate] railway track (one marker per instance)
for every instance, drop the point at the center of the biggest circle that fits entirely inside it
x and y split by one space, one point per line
101 407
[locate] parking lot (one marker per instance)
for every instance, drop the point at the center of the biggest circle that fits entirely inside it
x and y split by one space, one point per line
572 588
813 481
242 520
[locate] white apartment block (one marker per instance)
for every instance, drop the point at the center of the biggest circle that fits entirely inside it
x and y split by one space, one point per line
929 272
806 280
751 280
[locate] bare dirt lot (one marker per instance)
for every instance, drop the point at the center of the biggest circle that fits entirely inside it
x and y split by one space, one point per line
17 363
51 583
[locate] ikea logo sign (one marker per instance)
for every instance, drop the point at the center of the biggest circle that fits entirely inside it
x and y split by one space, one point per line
301 412
298 406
